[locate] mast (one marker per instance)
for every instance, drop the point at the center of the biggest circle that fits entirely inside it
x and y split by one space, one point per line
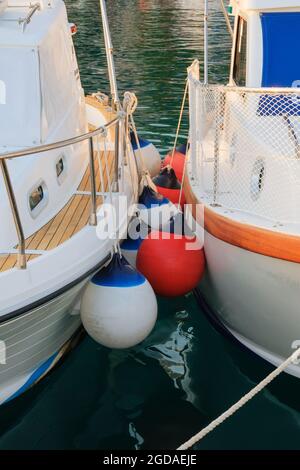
206 41
109 56
228 24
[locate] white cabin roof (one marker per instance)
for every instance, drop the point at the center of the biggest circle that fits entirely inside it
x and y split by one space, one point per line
266 4
13 32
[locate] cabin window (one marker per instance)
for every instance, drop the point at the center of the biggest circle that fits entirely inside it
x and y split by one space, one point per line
281 43
37 199
19 96
240 65
60 167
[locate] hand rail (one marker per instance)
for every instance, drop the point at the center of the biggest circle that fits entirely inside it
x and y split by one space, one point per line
16 215
240 89
25 21
102 130
60 143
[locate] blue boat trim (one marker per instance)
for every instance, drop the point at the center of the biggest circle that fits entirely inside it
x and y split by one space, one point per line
34 377
119 273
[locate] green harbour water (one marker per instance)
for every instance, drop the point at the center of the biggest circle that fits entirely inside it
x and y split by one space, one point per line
185 374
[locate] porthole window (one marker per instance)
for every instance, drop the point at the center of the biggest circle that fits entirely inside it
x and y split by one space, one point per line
37 199
60 168
257 179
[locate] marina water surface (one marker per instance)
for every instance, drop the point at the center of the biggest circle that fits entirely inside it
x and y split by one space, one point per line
186 373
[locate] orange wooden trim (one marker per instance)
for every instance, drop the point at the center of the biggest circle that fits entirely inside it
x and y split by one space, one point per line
258 240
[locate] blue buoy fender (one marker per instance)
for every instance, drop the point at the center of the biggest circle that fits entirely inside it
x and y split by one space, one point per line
118 307
154 209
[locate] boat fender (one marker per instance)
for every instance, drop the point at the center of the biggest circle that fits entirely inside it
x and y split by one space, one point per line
168 185
150 156
130 248
174 265
176 161
154 209
118 307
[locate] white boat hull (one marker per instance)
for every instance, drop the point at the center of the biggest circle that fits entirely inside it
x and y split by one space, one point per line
35 340
256 297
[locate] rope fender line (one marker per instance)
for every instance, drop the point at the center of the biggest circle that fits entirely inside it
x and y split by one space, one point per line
294 358
179 121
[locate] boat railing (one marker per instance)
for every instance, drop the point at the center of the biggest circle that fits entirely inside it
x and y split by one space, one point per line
23 21
118 124
245 147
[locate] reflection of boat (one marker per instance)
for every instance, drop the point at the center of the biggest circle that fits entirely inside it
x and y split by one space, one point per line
58 166
244 169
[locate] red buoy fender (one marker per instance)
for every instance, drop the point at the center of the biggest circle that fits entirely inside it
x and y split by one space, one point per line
169 265
177 164
172 194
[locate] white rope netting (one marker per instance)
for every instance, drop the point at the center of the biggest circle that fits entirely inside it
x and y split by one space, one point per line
246 143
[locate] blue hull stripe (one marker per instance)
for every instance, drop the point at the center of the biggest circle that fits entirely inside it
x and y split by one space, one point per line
33 377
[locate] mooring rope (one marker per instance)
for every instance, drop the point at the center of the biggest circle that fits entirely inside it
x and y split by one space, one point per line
116 243
179 122
183 173
145 178
234 408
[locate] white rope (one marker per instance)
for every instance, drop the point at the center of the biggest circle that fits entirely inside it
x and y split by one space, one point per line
234 408
131 104
175 144
116 244
102 186
135 188
145 178
183 174
179 122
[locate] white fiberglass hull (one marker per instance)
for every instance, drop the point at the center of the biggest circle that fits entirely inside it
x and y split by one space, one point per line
256 297
34 341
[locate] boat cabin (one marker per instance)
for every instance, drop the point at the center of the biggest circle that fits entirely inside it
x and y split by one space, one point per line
39 78
266 43
41 102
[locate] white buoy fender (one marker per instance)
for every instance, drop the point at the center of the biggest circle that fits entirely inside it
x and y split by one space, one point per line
150 156
118 307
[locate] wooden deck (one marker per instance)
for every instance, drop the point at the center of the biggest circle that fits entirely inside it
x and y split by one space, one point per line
70 220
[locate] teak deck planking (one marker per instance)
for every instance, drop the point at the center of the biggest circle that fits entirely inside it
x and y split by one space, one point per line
69 220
